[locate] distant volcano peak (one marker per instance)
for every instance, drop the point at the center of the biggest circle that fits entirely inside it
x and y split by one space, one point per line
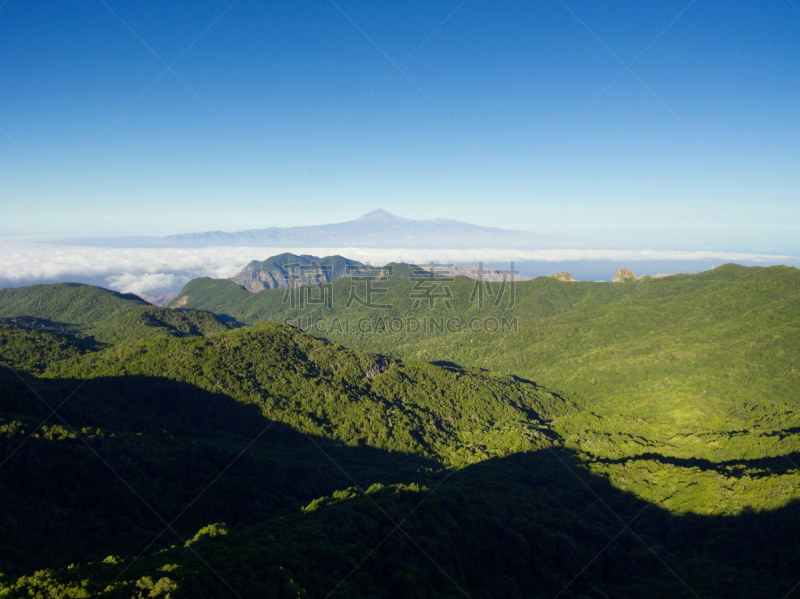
376 229
381 215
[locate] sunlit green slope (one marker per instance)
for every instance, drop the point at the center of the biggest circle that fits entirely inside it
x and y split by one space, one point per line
685 379
687 349
104 315
441 413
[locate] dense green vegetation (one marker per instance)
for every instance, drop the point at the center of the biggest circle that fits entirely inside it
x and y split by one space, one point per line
448 415
105 316
265 462
29 344
684 347
682 368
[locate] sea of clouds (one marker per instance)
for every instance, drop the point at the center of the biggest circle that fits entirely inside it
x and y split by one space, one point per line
162 271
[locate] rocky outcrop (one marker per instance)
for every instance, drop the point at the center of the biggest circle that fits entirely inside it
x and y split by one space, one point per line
622 275
380 366
561 276
273 273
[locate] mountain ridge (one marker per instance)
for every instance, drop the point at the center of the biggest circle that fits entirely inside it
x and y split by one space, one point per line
377 229
272 273
101 314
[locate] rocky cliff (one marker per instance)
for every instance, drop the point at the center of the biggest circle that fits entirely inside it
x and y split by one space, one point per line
622 275
274 272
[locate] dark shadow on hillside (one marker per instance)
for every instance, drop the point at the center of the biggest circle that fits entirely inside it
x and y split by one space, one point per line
573 402
31 323
528 525
226 319
783 432
66 331
167 440
451 366
755 468
547 494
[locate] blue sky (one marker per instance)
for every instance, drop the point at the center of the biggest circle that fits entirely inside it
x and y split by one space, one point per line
511 114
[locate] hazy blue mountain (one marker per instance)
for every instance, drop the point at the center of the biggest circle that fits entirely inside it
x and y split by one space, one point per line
378 229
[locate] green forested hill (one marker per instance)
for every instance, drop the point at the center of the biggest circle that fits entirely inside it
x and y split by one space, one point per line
674 345
687 349
659 459
312 455
72 303
222 390
671 371
357 398
104 315
30 344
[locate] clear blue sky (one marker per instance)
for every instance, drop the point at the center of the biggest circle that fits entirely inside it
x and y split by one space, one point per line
494 87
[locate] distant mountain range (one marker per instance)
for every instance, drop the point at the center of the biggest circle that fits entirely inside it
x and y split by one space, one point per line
378 229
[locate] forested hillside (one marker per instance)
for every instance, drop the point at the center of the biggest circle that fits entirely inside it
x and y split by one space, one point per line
683 347
671 370
105 316
265 462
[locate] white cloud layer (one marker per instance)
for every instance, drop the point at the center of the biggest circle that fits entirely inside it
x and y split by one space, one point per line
158 271
146 284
